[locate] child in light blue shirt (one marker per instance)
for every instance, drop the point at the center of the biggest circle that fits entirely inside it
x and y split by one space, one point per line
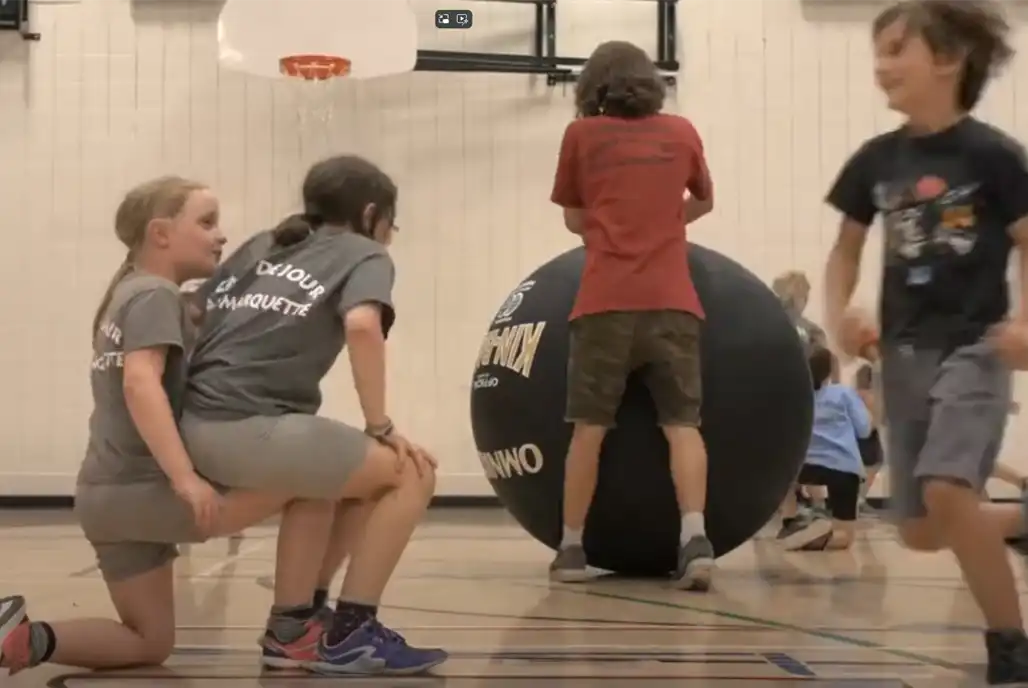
833 460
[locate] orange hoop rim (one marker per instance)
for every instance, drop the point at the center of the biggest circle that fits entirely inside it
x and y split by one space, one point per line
314 67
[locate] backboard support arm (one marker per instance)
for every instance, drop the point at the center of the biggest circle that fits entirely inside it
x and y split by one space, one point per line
544 59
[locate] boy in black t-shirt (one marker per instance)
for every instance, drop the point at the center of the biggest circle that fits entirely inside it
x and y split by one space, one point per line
952 193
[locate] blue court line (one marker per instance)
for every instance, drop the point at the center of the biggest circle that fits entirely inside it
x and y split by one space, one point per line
789 665
770 623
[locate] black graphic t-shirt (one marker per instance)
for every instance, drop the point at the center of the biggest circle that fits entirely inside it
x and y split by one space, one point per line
947 201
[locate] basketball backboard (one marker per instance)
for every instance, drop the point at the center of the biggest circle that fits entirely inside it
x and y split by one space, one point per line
378 37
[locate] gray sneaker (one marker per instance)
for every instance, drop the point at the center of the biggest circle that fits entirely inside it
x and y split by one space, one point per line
792 524
570 565
695 565
799 533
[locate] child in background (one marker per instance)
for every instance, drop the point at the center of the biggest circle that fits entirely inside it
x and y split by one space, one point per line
871 450
793 289
833 461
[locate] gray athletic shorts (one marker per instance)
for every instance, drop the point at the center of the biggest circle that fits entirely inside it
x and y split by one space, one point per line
945 418
304 456
134 528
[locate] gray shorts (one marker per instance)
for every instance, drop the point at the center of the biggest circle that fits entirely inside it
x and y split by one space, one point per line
945 419
300 455
134 528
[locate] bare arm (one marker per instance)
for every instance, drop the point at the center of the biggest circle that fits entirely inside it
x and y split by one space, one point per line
860 416
573 220
566 180
694 208
701 185
151 412
843 270
1019 233
365 341
864 384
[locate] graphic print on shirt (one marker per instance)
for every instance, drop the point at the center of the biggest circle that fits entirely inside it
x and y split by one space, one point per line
110 355
927 219
297 291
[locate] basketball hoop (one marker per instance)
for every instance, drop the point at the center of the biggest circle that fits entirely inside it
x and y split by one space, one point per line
314 67
315 79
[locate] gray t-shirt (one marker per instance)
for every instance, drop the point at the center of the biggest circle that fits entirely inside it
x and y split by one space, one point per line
274 322
145 312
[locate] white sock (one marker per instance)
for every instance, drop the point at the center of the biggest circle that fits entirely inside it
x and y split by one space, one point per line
572 538
692 526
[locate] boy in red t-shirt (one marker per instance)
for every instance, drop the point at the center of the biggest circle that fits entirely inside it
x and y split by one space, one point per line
623 173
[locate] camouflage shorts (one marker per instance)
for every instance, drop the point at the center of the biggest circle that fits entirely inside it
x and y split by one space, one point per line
607 347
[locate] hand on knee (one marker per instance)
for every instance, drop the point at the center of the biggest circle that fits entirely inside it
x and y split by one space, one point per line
426 482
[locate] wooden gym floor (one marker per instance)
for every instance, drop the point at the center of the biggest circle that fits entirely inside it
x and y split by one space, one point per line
875 617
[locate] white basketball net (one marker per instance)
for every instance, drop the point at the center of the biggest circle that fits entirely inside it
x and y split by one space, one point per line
316 135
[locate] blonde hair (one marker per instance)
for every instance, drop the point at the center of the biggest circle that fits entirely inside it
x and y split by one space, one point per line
790 286
163 197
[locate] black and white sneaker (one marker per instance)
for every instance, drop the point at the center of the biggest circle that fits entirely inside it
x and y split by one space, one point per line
798 533
1008 657
790 524
696 565
570 565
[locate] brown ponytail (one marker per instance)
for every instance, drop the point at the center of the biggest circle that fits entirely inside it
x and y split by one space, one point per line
338 191
159 198
121 273
294 229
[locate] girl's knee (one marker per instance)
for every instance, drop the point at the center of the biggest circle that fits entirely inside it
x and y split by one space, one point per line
842 536
156 639
156 650
424 482
417 483
383 471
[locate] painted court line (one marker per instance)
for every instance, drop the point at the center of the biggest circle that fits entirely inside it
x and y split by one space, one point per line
771 623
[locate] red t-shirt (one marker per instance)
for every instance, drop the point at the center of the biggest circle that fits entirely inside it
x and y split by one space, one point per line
629 177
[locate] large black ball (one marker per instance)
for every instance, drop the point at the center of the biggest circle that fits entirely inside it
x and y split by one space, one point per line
757 415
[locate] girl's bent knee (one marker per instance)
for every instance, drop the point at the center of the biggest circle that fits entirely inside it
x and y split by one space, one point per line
379 473
157 651
842 537
422 483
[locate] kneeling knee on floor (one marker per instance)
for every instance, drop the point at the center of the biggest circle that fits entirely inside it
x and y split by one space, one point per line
155 647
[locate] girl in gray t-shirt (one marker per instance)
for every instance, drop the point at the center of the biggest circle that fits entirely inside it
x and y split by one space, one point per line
138 495
277 315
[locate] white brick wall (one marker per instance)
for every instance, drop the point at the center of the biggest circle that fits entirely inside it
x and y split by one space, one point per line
111 96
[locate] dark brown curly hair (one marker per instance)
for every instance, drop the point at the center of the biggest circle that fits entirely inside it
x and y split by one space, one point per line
620 80
974 30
